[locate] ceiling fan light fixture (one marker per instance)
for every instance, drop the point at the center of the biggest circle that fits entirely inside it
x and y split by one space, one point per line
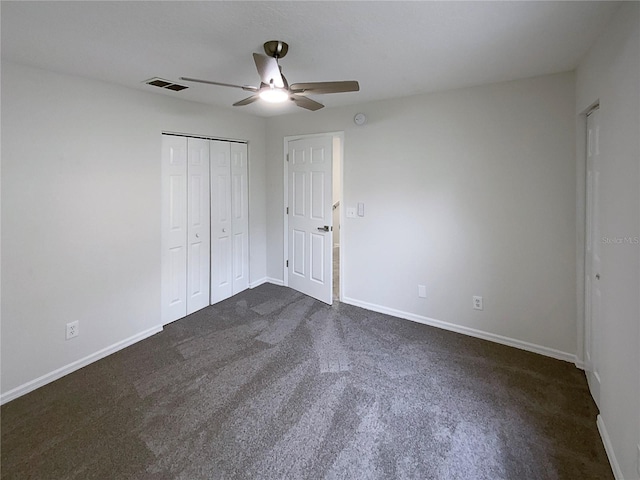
274 87
274 95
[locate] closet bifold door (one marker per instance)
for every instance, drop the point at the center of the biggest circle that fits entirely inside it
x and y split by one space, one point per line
185 225
198 235
229 220
240 216
221 249
174 229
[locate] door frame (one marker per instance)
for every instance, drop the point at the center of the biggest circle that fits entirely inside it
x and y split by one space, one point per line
290 138
581 230
592 341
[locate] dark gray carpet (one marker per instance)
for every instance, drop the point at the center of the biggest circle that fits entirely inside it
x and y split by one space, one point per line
271 384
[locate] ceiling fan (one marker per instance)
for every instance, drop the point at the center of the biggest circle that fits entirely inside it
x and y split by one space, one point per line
274 86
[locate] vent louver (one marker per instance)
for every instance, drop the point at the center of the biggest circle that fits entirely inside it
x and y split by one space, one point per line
175 87
162 83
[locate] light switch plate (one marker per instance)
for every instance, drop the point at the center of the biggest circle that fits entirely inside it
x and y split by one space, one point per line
351 212
361 209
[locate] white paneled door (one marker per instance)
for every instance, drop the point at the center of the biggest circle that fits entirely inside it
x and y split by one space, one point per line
239 217
198 252
186 227
205 223
593 264
309 235
174 228
221 272
229 220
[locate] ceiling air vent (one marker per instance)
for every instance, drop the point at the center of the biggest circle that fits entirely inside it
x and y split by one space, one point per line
160 82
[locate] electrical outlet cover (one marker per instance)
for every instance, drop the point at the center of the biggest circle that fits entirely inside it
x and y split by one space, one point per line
72 330
477 303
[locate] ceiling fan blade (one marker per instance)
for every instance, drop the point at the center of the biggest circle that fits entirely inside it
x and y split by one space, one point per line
247 101
268 69
307 103
248 88
325 87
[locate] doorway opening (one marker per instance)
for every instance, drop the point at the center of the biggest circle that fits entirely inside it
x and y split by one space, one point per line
337 211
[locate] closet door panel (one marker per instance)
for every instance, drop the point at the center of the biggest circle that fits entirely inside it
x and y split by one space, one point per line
221 221
174 229
240 214
198 252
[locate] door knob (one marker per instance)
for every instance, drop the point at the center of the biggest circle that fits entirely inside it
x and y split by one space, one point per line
324 229
597 276
197 235
224 230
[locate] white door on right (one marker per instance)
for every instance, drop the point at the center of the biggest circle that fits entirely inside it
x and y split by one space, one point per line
310 217
593 263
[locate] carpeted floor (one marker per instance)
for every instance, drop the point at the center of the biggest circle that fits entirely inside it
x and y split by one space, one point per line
271 384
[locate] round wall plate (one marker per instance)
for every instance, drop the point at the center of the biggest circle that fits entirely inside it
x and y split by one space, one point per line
359 119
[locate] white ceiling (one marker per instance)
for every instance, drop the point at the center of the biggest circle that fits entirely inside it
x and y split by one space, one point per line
392 48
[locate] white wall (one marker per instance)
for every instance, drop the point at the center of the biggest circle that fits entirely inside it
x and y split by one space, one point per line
81 212
610 74
469 192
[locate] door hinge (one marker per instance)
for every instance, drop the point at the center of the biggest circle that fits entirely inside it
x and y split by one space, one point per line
287 157
287 263
287 210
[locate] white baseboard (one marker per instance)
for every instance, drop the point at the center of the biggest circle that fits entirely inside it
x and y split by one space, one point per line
608 447
511 342
257 283
78 364
264 280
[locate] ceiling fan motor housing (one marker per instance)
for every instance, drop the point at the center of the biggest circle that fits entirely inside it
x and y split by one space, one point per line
276 48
